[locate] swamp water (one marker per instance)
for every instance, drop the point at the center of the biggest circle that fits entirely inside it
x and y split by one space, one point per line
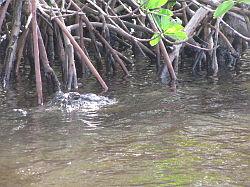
144 135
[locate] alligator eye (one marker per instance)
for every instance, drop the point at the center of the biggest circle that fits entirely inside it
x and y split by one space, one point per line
76 97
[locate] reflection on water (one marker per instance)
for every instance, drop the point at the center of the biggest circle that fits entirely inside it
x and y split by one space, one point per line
196 136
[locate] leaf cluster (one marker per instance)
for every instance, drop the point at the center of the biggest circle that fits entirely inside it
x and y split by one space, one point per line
163 17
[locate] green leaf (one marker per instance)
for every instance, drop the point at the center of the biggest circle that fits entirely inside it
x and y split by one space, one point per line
244 1
153 4
223 8
157 20
175 30
165 22
164 12
173 27
170 4
179 36
156 38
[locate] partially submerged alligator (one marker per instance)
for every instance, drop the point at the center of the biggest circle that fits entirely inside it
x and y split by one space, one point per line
74 101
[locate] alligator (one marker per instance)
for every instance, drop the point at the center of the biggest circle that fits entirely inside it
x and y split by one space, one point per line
75 101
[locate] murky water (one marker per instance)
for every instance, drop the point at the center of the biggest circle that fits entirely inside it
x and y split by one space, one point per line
151 136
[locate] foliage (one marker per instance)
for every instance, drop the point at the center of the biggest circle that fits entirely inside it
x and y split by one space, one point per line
225 6
163 17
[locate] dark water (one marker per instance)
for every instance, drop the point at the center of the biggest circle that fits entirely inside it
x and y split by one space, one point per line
152 135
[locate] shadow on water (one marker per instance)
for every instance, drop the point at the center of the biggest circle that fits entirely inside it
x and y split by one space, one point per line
150 136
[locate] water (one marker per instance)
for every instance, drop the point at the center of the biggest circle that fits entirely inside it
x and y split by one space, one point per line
151 135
